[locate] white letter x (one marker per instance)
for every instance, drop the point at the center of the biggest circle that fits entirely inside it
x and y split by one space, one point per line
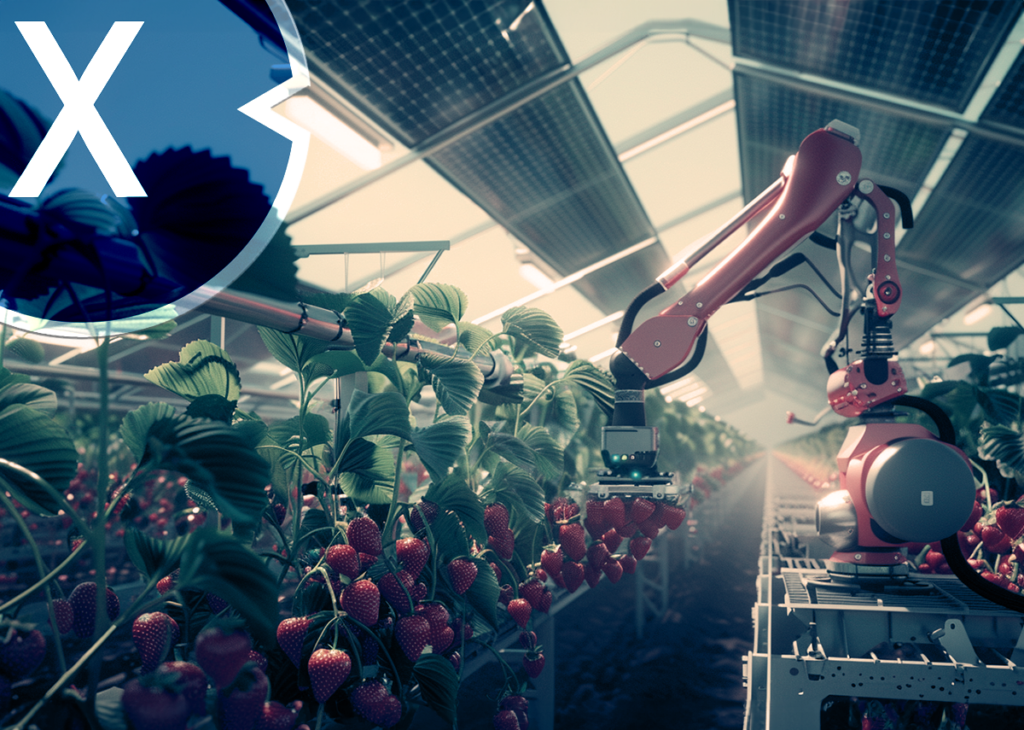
79 114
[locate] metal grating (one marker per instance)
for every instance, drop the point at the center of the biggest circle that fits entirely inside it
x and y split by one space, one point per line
545 171
933 52
951 596
973 224
1007 104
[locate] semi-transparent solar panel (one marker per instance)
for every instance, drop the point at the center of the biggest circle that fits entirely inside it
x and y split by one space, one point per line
934 52
1007 104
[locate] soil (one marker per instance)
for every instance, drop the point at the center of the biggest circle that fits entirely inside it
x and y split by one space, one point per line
686 670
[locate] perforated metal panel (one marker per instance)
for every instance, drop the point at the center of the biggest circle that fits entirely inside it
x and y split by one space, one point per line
1007 104
935 52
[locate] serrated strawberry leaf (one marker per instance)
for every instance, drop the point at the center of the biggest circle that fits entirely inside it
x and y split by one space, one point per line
475 338
453 493
1000 406
34 396
292 351
483 594
1003 445
597 383
438 305
378 413
1000 337
456 383
367 472
135 425
202 369
518 489
563 411
512 449
548 455
439 684
370 321
9 378
449 536
34 441
153 556
213 406
441 444
218 563
534 326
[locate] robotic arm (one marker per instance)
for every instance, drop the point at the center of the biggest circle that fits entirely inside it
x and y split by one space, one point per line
900 484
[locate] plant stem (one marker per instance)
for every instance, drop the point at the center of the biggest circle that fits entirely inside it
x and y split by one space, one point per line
98 533
383 650
389 523
42 581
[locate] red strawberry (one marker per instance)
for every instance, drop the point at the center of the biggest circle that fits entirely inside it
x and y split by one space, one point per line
541 574
413 634
552 561
628 563
556 510
420 511
612 540
597 553
674 516
83 603
533 661
570 510
649 528
594 529
364 536
1011 521
167 583
658 518
222 655
192 681
259 659
976 513
462 573
413 554
641 510
506 720
344 559
242 704
627 531
592 574
291 633
573 541
152 703
528 639
531 590
154 634
506 594
437 616
615 512
366 560
64 614
639 547
216 603
497 571
328 670
613 569
595 510
495 518
503 543
276 716
390 586
519 609
373 701
520 706
995 539
362 601
22 653
544 605
572 574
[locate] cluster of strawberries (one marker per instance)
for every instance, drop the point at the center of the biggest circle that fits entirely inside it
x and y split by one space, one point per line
992 539
819 475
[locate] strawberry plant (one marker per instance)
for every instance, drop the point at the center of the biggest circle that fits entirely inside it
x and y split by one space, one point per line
314 570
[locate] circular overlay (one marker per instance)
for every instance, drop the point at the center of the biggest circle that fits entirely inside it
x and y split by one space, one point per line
142 168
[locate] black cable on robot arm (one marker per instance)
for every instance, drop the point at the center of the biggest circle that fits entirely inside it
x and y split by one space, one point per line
686 369
951 545
626 328
906 209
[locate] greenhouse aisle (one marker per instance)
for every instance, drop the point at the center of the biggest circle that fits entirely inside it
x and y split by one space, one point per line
688 665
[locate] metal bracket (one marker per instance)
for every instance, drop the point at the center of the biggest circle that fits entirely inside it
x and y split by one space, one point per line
954 641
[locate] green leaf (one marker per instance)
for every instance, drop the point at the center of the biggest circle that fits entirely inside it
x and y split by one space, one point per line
1000 337
483 594
563 411
36 442
35 397
336 302
343 362
25 349
217 563
511 449
449 536
535 326
252 433
313 522
594 381
1002 444
367 472
439 305
548 455
202 369
456 383
939 389
518 489
380 413
8 378
217 459
979 365
439 684
213 406
401 327
453 493
315 431
135 426
475 338
151 555
440 445
109 710
1000 406
370 321
292 351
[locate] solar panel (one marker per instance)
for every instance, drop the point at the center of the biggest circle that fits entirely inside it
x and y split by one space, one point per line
933 52
1007 104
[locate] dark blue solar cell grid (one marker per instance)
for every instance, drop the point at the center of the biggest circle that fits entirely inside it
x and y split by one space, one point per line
416 67
773 119
934 52
972 226
1007 104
